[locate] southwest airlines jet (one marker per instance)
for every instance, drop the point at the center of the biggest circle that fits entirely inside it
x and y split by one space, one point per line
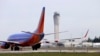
24 39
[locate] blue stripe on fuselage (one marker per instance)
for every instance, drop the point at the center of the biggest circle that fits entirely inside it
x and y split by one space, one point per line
22 37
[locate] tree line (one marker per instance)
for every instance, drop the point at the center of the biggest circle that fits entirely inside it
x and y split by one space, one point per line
95 40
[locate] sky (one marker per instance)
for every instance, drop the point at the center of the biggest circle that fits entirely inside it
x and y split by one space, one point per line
76 17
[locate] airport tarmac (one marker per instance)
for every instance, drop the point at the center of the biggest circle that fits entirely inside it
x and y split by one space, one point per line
31 51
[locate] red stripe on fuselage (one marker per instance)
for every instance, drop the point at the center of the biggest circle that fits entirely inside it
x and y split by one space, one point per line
35 39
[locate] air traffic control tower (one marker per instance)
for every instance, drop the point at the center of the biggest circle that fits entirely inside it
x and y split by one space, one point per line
56 26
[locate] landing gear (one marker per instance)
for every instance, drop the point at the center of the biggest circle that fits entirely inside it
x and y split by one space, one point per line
15 48
37 46
34 48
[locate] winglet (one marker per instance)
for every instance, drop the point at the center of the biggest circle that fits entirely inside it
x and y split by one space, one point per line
86 33
40 28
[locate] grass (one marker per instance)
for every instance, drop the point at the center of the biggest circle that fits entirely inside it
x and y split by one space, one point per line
50 54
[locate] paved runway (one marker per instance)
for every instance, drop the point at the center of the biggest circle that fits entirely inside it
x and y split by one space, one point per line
31 51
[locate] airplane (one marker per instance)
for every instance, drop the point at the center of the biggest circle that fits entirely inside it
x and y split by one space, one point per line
77 43
72 39
24 39
63 42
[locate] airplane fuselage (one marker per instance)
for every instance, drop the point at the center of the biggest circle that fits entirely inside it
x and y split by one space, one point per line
26 39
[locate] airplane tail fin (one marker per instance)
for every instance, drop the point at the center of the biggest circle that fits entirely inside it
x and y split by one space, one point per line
40 28
86 34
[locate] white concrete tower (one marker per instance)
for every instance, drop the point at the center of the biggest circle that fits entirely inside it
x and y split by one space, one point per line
56 26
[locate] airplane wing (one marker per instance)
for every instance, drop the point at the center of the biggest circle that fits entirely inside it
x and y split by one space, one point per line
44 34
27 32
76 38
72 39
12 42
55 33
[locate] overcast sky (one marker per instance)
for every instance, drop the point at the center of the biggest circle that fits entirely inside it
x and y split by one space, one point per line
76 16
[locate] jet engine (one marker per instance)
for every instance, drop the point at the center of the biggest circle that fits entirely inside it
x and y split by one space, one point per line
5 45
